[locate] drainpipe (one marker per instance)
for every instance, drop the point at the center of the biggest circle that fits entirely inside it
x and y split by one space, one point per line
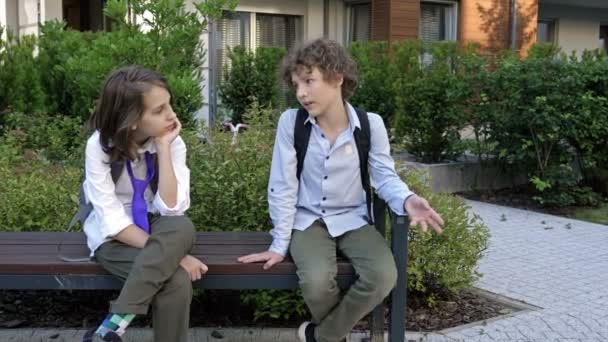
514 26
325 19
211 79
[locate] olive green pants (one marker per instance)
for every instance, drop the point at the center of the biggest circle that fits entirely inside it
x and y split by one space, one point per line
314 252
153 276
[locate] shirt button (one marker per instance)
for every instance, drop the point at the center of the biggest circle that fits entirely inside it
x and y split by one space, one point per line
323 211
327 157
324 198
271 190
325 177
323 135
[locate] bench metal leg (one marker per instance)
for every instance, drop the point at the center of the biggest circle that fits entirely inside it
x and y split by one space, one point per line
399 232
376 324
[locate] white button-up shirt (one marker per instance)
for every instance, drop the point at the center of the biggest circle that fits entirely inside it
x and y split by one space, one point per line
330 184
112 202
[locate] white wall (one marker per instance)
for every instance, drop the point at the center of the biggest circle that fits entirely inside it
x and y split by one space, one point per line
51 9
28 17
577 35
577 28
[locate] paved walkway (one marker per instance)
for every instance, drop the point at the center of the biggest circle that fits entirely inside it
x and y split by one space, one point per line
559 265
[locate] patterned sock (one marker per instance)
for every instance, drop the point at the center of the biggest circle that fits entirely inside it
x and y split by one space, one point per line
116 323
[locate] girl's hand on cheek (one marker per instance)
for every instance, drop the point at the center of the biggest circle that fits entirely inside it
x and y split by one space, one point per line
170 134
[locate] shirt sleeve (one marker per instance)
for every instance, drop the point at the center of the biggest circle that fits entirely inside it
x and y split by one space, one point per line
384 178
283 184
100 190
182 175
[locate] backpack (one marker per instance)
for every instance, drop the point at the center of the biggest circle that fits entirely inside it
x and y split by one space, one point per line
301 137
84 208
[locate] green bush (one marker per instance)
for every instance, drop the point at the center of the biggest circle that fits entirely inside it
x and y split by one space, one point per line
37 195
542 109
235 176
447 261
53 138
20 79
170 43
375 68
430 99
251 77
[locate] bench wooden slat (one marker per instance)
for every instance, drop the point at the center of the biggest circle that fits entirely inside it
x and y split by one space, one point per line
217 265
83 251
203 238
36 253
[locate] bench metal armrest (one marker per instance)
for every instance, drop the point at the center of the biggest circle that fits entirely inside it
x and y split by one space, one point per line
398 242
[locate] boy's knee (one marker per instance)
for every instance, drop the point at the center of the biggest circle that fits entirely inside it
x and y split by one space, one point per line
317 285
380 281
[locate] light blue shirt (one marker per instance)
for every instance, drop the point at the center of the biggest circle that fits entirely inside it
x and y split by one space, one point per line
330 184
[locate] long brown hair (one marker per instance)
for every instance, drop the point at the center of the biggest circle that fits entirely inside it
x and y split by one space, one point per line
120 106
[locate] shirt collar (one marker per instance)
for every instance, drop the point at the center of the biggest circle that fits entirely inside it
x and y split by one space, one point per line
148 146
353 118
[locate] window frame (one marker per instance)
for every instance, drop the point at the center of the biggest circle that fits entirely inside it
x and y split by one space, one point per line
451 19
350 19
552 30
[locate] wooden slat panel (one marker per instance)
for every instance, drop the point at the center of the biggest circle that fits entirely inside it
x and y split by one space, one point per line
36 253
38 238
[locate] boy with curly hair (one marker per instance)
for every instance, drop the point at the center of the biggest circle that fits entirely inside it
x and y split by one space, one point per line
317 194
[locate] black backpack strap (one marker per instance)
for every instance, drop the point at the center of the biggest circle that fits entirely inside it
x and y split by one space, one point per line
154 181
301 136
362 139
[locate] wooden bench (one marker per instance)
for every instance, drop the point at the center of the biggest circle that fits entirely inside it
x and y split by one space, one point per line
30 260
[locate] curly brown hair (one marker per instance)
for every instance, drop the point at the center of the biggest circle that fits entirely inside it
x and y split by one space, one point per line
331 58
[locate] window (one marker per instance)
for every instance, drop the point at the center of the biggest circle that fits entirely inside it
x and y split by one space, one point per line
438 21
360 22
545 31
250 30
277 30
86 15
232 30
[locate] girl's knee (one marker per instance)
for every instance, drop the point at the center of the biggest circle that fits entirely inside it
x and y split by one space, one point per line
180 285
181 227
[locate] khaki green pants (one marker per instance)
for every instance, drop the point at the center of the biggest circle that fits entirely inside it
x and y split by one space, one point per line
314 253
153 276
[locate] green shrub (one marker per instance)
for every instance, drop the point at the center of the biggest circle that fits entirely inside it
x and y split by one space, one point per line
447 261
375 68
542 109
20 79
37 195
429 105
54 138
276 304
170 43
251 77
234 176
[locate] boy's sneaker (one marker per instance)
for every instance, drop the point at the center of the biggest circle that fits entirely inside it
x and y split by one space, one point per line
306 332
91 336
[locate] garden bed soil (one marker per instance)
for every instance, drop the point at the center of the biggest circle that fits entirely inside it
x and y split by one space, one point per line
85 309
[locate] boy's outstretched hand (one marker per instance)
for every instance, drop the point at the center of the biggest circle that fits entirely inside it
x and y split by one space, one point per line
271 258
421 213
